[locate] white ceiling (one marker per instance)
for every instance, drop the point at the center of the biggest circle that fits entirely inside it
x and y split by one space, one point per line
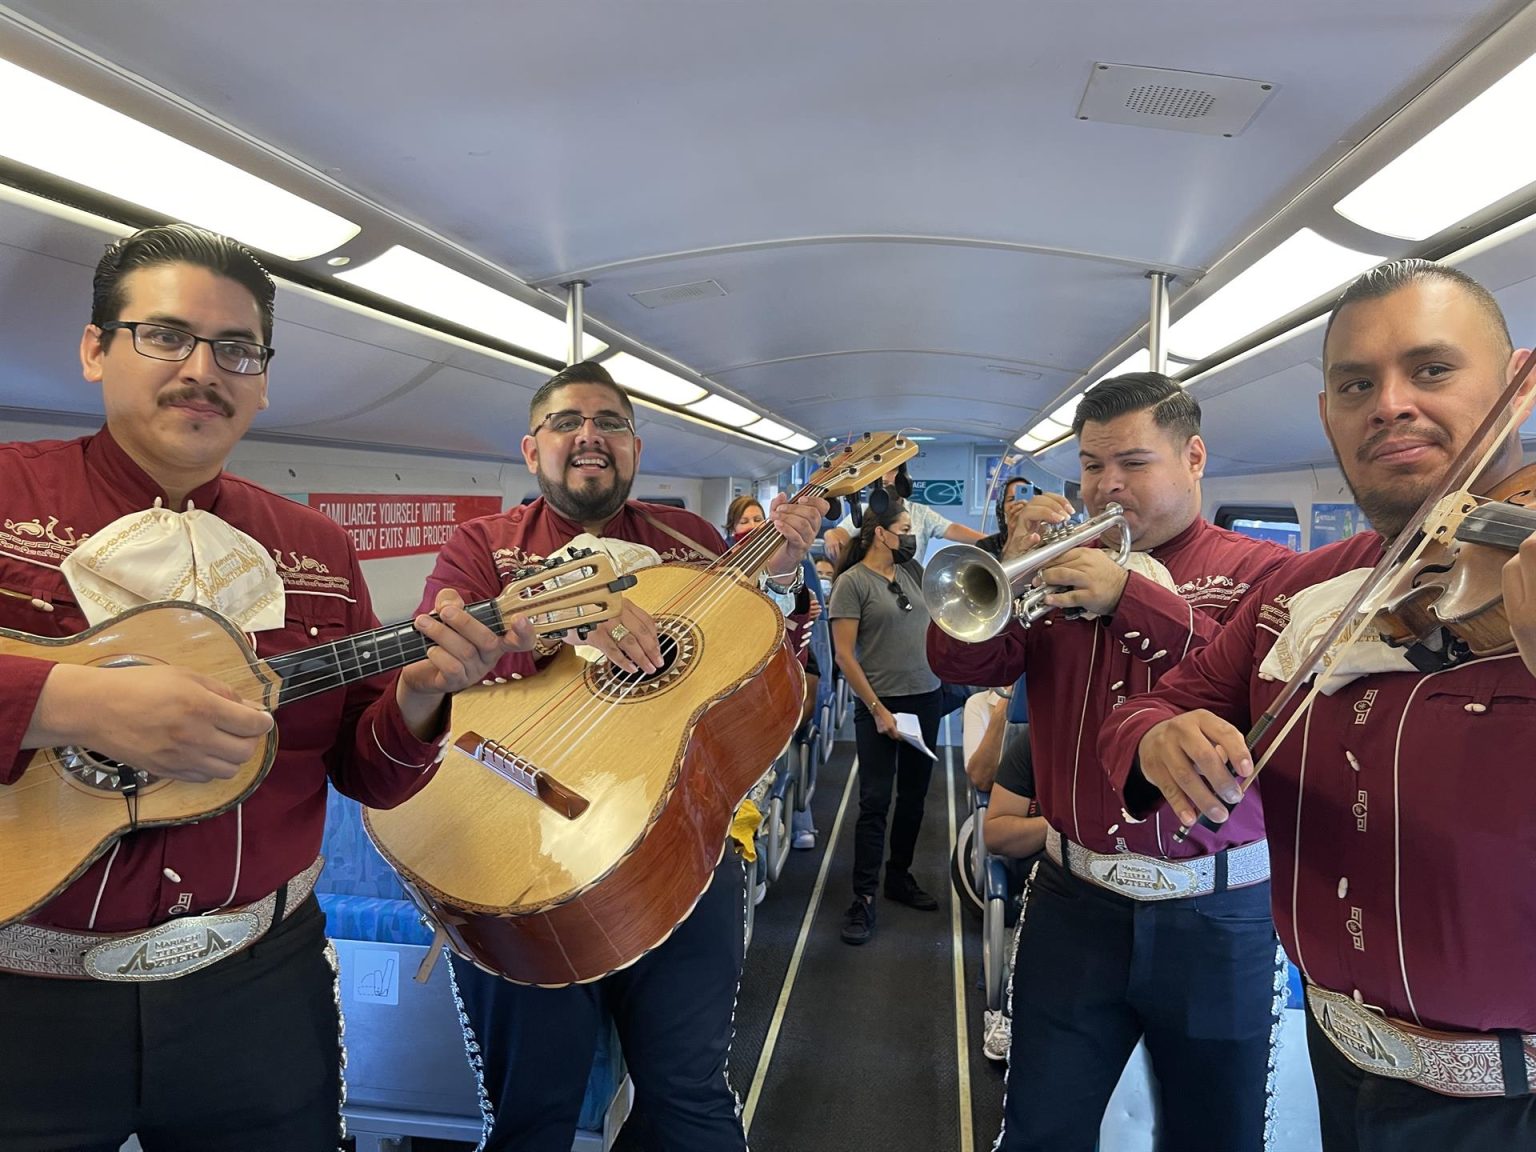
912 227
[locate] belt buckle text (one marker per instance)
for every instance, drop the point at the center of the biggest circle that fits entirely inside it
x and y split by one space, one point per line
1142 877
172 949
1365 1039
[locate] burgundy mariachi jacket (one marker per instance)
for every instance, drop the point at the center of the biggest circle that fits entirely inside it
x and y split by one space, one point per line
1076 672
1399 811
55 493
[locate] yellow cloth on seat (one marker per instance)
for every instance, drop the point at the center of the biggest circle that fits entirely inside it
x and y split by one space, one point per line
744 829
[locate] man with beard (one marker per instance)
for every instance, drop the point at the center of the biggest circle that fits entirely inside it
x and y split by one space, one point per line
185 971
1116 914
533 1047
1400 805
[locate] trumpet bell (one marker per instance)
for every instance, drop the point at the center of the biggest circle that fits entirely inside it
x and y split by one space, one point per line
967 593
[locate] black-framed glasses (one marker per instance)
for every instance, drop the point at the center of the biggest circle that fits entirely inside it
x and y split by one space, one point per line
901 597
569 422
162 342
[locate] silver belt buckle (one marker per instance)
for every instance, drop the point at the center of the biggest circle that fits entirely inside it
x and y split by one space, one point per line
1142 877
172 949
1365 1039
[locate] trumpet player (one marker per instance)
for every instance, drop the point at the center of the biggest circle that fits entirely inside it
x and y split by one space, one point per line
1117 916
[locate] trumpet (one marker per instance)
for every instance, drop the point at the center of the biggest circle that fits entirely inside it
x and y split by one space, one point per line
972 596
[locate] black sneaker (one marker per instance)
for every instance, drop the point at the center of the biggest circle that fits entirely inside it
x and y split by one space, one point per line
901 888
858 921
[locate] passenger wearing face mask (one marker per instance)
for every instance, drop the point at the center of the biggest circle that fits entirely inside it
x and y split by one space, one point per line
879 623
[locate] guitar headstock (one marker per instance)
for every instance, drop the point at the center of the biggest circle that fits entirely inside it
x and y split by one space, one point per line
562 594
863 462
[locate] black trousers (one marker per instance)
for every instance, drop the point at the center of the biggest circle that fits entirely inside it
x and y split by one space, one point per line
243 1056
1362 1112
673 1009
887 766
1196 978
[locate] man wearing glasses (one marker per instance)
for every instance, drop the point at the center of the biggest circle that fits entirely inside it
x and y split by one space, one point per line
673 1007
126 1005
1124 932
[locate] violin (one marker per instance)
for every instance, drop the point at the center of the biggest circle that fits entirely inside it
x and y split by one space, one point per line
1455 583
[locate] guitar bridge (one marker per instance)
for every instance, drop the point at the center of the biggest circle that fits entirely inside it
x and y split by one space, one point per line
518 770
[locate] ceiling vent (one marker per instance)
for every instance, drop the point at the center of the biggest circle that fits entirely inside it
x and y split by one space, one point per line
677 293
1178 101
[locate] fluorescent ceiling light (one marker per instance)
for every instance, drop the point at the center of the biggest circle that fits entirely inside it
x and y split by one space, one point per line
1067 412
723 411
1300 270
1034 440
637 375
800 443
70 136
919 437
768 430
412 279
1139 361
1464 164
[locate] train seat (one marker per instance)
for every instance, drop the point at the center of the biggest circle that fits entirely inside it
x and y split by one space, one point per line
407 1073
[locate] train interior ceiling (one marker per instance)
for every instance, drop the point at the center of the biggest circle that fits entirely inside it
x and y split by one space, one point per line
784 224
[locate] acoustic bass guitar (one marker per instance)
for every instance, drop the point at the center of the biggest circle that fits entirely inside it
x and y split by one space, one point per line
653 766
71 804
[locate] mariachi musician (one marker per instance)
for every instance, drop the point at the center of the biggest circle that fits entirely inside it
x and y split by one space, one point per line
1118 916
673 1007
180 986
1400 804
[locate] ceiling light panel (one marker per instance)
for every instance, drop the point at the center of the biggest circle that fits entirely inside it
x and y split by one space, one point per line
418 282
640 376
800 443
62 133
723 411
769 430
1298 271
1466 163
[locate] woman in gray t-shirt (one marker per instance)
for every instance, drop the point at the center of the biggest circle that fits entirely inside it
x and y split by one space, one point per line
879 633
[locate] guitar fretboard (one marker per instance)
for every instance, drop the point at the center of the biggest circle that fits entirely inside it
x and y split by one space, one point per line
352 658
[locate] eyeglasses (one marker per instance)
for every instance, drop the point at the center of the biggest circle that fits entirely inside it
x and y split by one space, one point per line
158 342
901 597
567 423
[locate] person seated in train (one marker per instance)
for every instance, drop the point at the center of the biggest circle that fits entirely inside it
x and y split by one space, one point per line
1119 913
927 524
673 1007
126 1005
878 621
1400 808
1015 831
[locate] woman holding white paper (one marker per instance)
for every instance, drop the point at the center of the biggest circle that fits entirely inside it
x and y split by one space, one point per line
879 624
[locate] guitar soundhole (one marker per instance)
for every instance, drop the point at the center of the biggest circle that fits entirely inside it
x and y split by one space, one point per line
101 773
680 642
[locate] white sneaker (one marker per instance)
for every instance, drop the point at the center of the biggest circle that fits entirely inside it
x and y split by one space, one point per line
804 839
996 1035
762 890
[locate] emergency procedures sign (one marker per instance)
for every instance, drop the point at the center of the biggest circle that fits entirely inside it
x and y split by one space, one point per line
383 526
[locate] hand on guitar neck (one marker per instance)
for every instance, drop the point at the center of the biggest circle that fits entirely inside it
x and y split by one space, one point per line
169 721
463 653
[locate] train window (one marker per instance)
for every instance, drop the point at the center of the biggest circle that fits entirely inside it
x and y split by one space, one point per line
669 501
1277 522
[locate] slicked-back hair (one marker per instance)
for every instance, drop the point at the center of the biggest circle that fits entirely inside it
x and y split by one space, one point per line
1173 409
858 547
178 244
1385 279
582 372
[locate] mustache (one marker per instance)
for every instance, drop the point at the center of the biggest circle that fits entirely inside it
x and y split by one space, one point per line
1423 435
194 394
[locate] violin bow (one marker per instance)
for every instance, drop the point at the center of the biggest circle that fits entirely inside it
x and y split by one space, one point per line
1474 456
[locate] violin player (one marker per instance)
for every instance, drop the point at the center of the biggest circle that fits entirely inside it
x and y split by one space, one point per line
1399 807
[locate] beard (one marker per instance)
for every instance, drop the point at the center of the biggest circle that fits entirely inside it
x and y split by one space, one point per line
589 504
1390 504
